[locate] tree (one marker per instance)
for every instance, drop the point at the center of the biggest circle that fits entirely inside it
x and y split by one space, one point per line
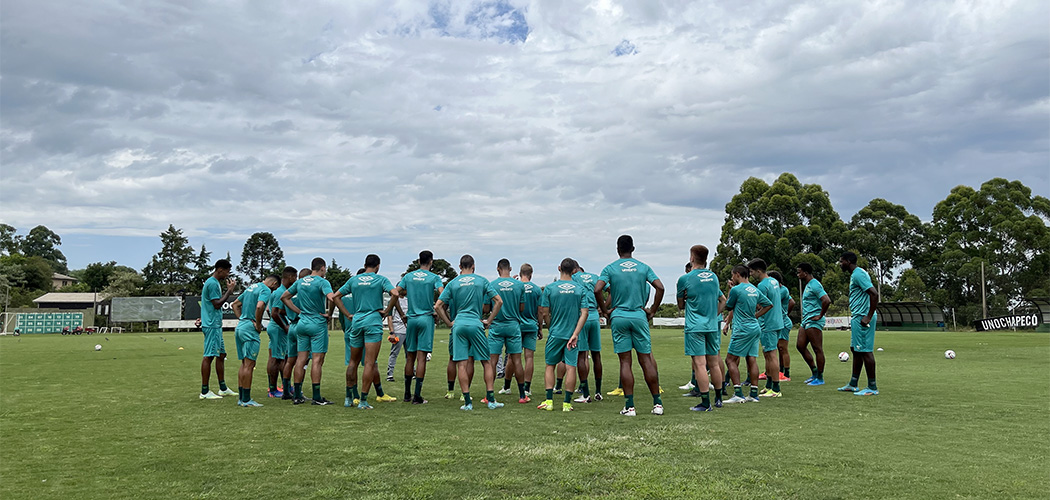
440 267
910 287
43 242
124 283
10 243
261 255
202 269
97 274
169 271
887 235
337 275
38 273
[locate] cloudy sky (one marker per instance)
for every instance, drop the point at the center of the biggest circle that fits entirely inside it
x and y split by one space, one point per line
531 130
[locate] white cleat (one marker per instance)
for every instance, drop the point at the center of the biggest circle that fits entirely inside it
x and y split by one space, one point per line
582 399
687 387
227 392
658 409
210 395
628 412
751 399
504 391
734 399
711 387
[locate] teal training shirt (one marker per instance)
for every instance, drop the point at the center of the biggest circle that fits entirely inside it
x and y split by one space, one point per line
565 299
466 295
419 287
512 292
629 279
785 304
744 300
588 280
344 320
275 301
211 317
701 291
250 298
311 293
859 284
366 291
773 320
811 299
530 297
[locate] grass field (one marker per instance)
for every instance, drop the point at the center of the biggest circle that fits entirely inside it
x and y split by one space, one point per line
126 422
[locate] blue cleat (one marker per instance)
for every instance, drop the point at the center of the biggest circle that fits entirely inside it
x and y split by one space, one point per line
466 407
701 407
347 403
866 392
815 382
808 380
848 388
252 403
363 405
493 405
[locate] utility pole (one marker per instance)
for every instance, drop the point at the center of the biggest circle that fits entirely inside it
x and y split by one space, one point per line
984 299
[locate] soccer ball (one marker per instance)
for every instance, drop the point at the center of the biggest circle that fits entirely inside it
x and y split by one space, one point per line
949 354
843 357
428 356
98 347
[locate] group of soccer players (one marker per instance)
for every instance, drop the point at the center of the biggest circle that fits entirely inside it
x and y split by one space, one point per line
514 313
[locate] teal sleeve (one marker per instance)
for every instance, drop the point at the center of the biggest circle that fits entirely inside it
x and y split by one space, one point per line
680 287
326 286
821 291
650 276
345 289
401 283
211 291
544 301
387 286
241 296
763 300
605 275
445 295
731 302
264 296
863 281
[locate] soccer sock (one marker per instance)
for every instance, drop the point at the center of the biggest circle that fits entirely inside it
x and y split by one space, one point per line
349 393
853 381
466 398
787 371
737 391
657 400
692 377
506 384
628 401
247 394
364 398
240 394
568 396
490 396
273 387
222 385
585 389
705 399
754 392
353 393
317 391
528 385
286 384
769 382
204 389
597 385
450 384
408 386
299 390
776 386
816 374
557 385
379 389
550 394
521 391
871 384
419 387
819 375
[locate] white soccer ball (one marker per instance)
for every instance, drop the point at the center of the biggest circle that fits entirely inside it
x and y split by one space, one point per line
949 354
98 347
843 357
428 356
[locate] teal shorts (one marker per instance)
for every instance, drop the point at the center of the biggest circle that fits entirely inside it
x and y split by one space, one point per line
213 343
819 325
419 334
469 341
450 345
361 335
312 337
557 351
590 336
631 333
278 342
247 340
862 339
785 333
528 340
702 343
744 344
504 335
769 340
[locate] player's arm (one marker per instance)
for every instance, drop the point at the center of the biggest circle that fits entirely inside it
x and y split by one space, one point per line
825 302
681 302
335 300
439 308
236 308
791 304
721 303
543 316
390 324
873 302
659 286
579 327
230 285
277 314
728 321
762 310
397 305
599 297
260 308
286 297
497 304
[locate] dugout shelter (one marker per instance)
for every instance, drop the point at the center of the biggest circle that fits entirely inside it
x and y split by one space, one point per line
910 316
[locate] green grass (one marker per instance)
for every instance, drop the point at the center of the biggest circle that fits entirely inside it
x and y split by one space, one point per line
126 422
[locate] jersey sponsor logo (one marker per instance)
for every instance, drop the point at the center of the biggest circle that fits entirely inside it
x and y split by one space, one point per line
628 267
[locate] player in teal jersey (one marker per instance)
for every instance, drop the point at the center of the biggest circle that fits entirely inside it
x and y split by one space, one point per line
466 296
505 331
590 342
277 331
249 307
629 319
786 305
746 304
212 299
863 301
563 307
700 296
771 323
366 330
421 287
530 326
293 339
312 293
815 303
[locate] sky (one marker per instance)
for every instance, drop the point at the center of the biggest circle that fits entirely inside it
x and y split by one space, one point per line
531 130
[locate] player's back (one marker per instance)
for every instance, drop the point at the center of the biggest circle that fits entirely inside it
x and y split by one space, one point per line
629 279
701 290
511 292
774 319
467 293
744 300
250 298
564 300
419 286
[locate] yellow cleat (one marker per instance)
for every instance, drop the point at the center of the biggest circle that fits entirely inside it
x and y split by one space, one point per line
448 395
615 392
357 401
661 390
546 405
386 398
566 407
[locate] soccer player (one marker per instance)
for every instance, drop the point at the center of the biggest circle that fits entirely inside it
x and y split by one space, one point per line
312 293
249 307
505 331
772 323
699 294
590 340
815 302
277 331
397 324
212 299
563 307
691 384
863 301
530 326
786 305
293 338
366 330
629 319
745 305
466 296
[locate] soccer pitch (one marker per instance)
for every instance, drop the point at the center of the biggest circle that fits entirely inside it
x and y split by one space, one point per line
126 422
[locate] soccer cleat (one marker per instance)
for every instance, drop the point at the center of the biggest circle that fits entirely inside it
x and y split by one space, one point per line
275 394
240 403
390 379
615 392
320 402
769 393
784 378
287 395
386 398
848 388
419 401
815 382
364 406
448 395
252 403
597 396
528 394
566 407
557 391
493 405
691 394
628 412
504 391
764 390
227 392
466 407
735 399
463 399
751 399
484 401
710 386
356 401
658 410
762 376
701 407
661 389
688 386
524 400
582 399
808 380
347 403
546 405
298 401
211 395
866 392
718 403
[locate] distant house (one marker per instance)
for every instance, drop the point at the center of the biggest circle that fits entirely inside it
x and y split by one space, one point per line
55 300
61 280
